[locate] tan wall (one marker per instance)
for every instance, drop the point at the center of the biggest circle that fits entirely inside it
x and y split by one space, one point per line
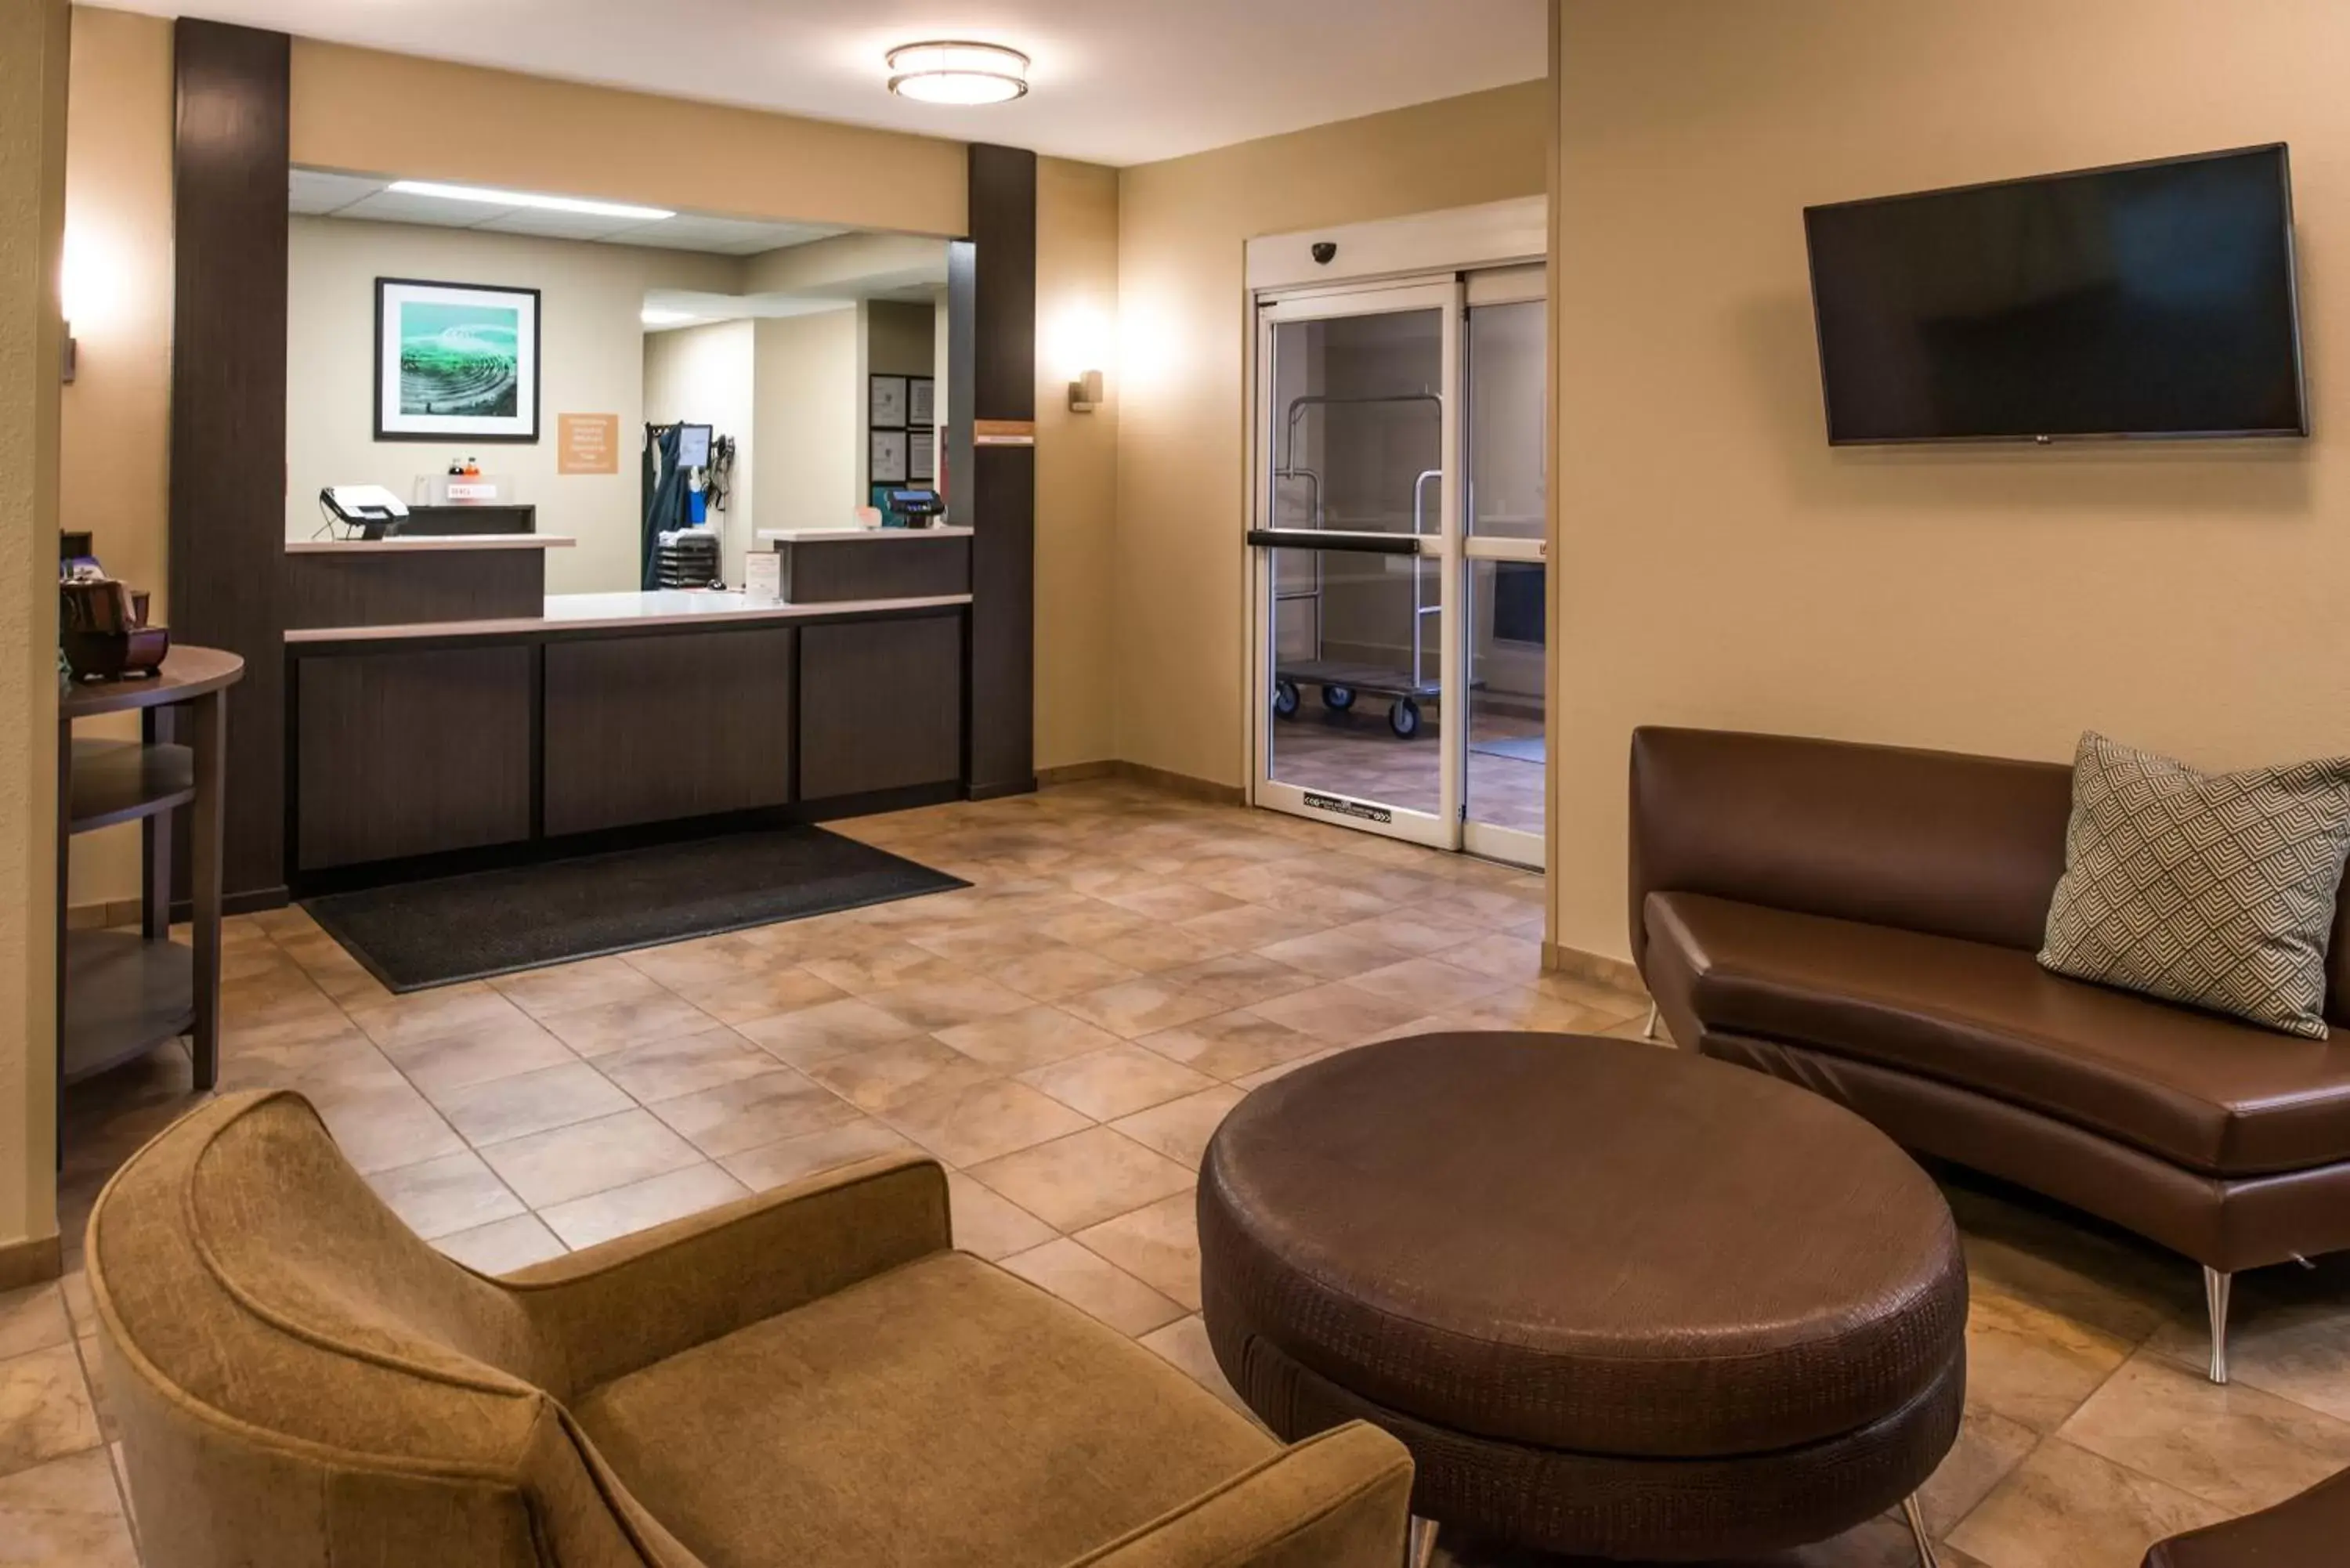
428 119
591 362
809 414
1076 463
707 375
32 71
1181 445
115 433
1720 565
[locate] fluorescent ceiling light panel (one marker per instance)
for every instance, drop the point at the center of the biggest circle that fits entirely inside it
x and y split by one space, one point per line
530 199
654 316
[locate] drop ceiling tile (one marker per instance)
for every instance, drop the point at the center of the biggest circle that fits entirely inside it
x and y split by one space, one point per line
319 191
547 223
401 207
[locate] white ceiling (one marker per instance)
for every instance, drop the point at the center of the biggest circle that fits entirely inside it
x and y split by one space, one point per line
1114 81
322 193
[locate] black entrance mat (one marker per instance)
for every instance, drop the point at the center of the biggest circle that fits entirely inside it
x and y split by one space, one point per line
420 934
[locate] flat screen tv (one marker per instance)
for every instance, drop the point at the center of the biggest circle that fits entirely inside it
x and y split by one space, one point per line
2147 300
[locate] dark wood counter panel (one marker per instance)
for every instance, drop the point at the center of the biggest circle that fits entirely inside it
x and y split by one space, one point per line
908 566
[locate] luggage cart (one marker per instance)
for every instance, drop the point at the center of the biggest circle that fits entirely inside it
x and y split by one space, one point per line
1342 681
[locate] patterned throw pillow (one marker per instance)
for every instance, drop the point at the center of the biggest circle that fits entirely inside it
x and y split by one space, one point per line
2216 890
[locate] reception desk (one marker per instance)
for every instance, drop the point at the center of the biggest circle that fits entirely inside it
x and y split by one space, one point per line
428 744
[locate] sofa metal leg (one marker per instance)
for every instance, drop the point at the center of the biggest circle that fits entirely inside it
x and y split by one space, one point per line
2215 1302
1917 1518
1649 1030
1419 1548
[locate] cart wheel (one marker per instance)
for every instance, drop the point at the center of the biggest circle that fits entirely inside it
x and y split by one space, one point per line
1337 699
1284 699
1404 718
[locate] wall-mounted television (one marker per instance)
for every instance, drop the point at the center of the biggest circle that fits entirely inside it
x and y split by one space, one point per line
2146 300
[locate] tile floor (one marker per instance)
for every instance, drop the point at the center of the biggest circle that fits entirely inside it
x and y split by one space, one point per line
1064 1035
1354 755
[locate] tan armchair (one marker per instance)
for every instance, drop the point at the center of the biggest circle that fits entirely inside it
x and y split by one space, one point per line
811 1376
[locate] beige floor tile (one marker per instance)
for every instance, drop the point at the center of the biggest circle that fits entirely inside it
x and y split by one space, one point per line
442 1197
2298 1350
884 968
979 1121
1234 1045
2234 1446
432 1015
1143 1005
1094 1286
33 1318
1180 1129
988 1224
875 1078
1415 932
1428 984
1169 899
1515 958
550 1167
2100 1278
611 1026
984 944
45 1408
1522 1007
1241 980
1338 1014
1033 1037
1250 926
2031 1365
639 1205
791 1159
1157 1243
944 1003
2066 1508
530 1102
1059 972
1116 1081
1988 1449
784 989
478 1056
684 1064
66 1513
1334 954
1155 948
378 1128
505 1246
1091 922
1185 1343
745 1113
570 986
831 1029
74 1287
702 960
1084 1178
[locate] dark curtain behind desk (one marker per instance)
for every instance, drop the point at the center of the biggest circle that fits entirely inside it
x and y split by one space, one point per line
665 498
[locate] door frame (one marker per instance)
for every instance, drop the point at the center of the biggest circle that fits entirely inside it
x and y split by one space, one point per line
1441 294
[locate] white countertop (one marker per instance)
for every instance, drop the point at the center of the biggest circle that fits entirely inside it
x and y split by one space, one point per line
663 606
826 535
408 543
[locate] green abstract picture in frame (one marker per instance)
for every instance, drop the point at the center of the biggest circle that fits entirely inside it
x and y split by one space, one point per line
455 361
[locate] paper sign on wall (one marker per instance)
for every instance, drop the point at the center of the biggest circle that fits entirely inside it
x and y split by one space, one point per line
587 443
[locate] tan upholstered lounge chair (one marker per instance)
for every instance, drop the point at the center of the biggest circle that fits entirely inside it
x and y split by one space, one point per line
811 1377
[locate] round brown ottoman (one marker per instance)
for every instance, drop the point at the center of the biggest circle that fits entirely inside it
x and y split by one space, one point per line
1617 1300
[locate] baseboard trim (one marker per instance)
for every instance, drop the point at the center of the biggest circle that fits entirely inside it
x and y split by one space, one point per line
103 914
33 1262
1183 784
1074 773
1576 964
1002 791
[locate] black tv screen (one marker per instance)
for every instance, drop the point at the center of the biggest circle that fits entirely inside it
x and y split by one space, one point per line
2153 299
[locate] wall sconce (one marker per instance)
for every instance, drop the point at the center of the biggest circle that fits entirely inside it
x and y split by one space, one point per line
1086 392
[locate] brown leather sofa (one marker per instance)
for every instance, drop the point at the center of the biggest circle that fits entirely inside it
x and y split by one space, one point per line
811 1376
2305 1531
1864 920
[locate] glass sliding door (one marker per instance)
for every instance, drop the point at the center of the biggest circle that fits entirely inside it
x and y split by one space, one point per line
1504 768
1355 547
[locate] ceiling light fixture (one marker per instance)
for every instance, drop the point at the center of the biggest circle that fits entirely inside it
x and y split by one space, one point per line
529 199
963 73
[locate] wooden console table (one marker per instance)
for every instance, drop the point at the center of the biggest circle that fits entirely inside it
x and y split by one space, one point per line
120 994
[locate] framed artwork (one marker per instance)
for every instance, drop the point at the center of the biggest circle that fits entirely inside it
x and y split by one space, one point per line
921 457
921 400
455 361
889 457
887 409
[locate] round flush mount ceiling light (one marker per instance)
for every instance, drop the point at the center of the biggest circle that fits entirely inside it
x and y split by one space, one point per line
962 73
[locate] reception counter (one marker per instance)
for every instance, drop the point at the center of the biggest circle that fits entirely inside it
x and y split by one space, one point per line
443 740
